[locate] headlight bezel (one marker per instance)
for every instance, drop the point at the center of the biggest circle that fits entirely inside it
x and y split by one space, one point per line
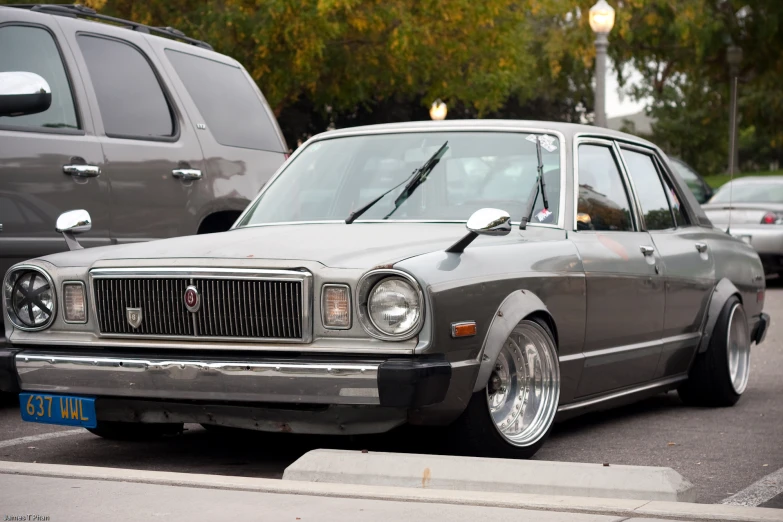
8 284
364 289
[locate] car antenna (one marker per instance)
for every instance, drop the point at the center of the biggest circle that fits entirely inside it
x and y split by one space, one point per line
540 188
732 142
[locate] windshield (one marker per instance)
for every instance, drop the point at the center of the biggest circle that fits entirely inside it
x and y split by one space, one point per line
331 178
753 192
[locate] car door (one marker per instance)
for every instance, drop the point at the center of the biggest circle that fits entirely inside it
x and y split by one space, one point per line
153 159
625 289
688 264
50 162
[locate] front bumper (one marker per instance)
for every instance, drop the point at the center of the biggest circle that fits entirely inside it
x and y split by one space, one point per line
399 383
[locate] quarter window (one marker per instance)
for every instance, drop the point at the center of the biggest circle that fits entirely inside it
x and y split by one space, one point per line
649 190
603 201
32 49
130 98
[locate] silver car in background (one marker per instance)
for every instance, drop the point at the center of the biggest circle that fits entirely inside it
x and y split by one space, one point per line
751 208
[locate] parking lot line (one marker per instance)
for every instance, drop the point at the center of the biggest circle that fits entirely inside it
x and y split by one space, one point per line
759 492
36 438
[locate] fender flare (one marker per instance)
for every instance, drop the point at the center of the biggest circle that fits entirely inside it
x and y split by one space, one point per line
515 307
722 292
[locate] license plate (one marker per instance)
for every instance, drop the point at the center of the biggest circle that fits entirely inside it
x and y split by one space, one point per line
58 409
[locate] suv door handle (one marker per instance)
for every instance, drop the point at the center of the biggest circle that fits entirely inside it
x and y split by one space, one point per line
647 250
186 174
701 247
82 171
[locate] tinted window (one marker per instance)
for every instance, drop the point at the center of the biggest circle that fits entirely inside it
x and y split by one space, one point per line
649 190
129 95
603 201
31 49
331 178
229 104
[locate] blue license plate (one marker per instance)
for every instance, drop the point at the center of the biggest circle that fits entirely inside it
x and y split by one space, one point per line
58 409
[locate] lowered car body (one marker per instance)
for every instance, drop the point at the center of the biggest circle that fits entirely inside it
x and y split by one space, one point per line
297 321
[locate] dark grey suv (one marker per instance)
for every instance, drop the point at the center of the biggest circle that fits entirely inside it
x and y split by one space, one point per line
153 136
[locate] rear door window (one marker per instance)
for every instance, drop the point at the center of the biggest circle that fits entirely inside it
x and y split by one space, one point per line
229 104
130 97
33 49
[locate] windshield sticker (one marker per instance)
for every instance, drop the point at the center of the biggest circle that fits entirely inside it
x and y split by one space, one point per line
548 143
541 216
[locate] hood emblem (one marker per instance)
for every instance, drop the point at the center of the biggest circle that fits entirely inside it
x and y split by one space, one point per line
192 299
134 316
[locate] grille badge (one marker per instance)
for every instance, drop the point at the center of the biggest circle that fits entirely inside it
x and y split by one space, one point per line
192 299
134 316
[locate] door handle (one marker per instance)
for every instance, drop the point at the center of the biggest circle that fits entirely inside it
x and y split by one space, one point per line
82 171
701 247
186 174
647 250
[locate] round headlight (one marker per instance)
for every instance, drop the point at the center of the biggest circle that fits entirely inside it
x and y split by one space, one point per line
394 306
29 298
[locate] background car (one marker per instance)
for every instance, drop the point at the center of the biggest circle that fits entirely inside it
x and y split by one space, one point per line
751 208
152 132
327 313
700 188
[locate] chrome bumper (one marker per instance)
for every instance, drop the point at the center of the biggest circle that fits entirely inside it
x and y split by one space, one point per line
311 382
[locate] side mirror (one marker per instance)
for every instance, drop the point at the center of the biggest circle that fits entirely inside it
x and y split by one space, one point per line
71 223
23 93
486 222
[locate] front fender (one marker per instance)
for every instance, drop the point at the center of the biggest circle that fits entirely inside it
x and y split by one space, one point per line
723 291
515 307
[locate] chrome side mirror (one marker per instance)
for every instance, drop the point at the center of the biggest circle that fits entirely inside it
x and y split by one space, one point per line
23 93
490 222
71 223
486 222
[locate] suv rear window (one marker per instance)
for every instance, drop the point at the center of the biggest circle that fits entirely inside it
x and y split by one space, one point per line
234 114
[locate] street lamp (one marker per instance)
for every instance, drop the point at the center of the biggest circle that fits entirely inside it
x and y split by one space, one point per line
438 110
734 59
601 22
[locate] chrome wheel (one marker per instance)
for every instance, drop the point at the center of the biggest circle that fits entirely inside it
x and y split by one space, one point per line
524 388
738 349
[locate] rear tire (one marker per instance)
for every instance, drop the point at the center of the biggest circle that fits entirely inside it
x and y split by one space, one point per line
719 376
514 414
134 431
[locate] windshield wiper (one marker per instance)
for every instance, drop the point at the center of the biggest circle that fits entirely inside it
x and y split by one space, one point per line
539 188
418 177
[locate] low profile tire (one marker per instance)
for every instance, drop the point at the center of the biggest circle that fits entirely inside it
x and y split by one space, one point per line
719 376
134 431
513 415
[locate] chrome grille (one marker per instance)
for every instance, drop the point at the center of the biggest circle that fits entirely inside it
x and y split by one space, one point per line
251 308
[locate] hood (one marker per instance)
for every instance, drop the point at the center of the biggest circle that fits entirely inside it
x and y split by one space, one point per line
741 213
360 245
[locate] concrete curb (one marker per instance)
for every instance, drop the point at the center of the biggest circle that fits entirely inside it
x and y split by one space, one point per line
539 477
603 506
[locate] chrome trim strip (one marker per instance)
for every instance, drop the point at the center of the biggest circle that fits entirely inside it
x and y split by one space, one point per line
350 306
9 306
306 278
410 130
622 393
641 346
282 381
86 305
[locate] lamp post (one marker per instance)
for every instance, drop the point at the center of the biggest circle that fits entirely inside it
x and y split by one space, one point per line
734 59
438 110
601 22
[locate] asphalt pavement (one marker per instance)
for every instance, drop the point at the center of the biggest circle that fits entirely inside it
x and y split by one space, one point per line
725 452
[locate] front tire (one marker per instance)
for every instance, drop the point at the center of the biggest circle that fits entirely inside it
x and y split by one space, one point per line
134 431
719 376
513 415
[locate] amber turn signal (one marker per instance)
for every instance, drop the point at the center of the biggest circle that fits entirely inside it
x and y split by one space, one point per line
465 329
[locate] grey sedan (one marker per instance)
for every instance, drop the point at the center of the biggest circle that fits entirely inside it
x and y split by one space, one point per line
751 208
485 275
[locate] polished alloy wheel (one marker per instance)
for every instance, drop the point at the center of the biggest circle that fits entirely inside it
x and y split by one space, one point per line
524 388
738 349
